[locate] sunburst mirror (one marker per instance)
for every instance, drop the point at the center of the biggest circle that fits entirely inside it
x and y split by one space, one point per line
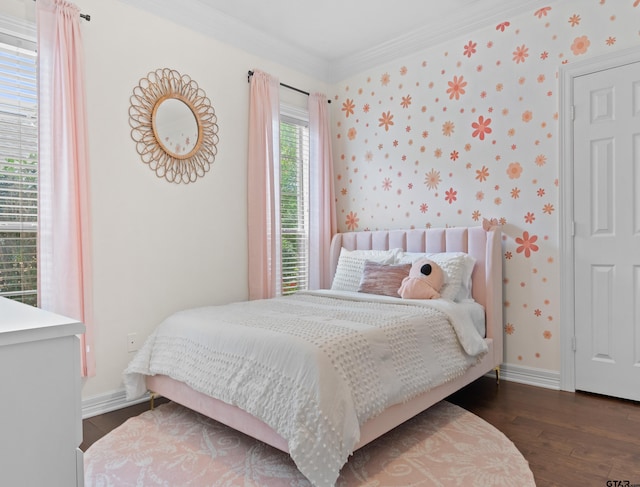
174 126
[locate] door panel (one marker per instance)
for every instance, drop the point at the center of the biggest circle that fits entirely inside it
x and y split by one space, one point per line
601 304
601 165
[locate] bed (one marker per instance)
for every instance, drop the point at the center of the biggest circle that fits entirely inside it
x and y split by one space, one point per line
319 451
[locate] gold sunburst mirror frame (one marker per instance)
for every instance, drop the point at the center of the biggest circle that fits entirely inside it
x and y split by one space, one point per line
174 126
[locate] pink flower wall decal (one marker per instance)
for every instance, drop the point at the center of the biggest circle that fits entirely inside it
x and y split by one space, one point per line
521 54
542 12
352 220
386 120
580 45
529 217
432 179
481 127
451 195
482 174
456 87
514 170
470 49
448 128
348 107
526 244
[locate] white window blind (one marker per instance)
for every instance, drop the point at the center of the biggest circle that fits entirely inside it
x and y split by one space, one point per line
294 200
18 169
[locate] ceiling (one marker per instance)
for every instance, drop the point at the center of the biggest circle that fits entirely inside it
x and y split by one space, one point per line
333 39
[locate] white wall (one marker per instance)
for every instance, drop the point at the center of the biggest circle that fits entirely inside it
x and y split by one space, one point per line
159 247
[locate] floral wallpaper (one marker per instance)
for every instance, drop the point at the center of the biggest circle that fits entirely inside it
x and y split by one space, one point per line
469 129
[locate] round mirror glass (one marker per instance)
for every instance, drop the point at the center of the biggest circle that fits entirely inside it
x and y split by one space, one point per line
176 127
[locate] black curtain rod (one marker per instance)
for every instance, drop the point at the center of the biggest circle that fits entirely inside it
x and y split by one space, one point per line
86 17
250 74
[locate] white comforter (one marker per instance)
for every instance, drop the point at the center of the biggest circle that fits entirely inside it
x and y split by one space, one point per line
314 366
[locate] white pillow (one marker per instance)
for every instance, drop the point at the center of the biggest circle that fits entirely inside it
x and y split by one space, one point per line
457 268
351 264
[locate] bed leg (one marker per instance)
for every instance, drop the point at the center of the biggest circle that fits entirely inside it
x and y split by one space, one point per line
152 397
497 371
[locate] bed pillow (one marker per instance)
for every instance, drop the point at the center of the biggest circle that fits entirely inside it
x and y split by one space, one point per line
351 264
384 279
465 287
457 267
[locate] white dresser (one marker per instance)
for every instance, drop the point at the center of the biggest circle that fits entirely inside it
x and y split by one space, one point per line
40 395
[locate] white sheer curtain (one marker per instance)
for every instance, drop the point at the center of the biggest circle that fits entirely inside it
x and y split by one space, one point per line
64 237
322 218
263 179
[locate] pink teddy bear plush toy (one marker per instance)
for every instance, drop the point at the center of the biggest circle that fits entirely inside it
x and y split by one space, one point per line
424 281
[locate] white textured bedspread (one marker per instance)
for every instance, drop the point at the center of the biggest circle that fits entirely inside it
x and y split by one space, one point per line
314 366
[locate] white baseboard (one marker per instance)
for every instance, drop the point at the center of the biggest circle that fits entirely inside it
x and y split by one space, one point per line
105 403
530 375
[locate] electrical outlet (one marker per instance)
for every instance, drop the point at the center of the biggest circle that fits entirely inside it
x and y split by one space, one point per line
132 342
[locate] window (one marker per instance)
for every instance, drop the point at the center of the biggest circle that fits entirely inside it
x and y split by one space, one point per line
18 168
294 199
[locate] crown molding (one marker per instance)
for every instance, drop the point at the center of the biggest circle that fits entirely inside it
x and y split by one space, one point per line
196 15
199 17
429 35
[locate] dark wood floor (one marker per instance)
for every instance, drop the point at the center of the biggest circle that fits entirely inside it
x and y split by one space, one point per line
96 427
568 439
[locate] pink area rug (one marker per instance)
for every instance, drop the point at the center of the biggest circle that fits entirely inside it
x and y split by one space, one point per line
174 446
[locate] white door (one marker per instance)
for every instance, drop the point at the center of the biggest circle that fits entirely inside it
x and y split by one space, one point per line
607 231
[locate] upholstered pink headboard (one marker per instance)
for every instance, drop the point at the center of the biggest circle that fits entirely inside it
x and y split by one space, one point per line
484 246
